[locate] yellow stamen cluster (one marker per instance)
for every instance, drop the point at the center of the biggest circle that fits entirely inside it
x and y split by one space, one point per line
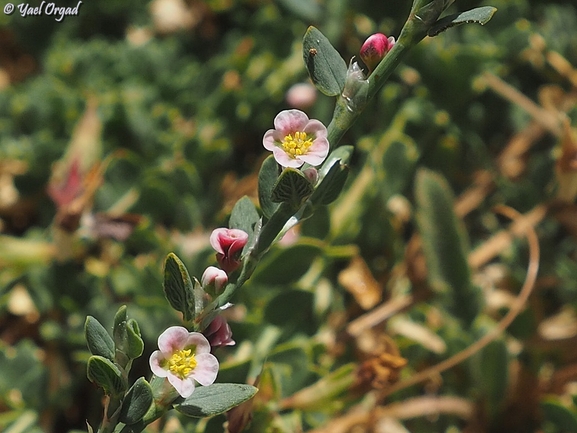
182 363
296 144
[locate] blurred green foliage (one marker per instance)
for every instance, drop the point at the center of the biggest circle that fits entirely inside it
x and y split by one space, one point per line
182 112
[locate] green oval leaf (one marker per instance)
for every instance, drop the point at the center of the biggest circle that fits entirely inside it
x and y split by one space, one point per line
341 153
331 185
121 337
267 177
215 399
178 286
135 345
326 67
136 402
445 245
106 375
292 187
244 216
481 15
98 340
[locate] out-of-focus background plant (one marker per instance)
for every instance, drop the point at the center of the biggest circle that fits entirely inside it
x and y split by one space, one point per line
130 130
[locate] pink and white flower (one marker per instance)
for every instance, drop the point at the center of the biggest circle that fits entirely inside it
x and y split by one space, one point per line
214 279
219 333
297 139
228 244
184 357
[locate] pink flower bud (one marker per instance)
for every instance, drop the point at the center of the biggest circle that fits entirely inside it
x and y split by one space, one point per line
219 333
311 174
214 279
375 48
228 244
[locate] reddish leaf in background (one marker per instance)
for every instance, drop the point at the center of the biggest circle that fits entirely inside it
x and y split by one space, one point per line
62 193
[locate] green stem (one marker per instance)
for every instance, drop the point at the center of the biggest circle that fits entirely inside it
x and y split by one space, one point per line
343 117
272 228
266 237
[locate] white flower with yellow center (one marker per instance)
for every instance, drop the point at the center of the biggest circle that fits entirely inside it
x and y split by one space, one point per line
297 139
184 357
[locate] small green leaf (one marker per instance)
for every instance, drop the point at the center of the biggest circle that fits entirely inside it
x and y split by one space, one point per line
244 216
273 227
292 187
119 329
178 286
98 340
445 245
331 185
105 374
326 67
136 402
199 297
332 176
430 11
135 345
480 15
215 399
267 177
121 337
341 153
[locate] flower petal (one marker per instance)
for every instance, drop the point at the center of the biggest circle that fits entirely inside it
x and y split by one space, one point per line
222 239
215 239
185 387
155 362
206 369
317 153
172 339
198 340
270 138
289 121
316 128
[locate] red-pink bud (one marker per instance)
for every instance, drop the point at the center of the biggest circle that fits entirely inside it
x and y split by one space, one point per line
312 174
219 333
228 244
214 279
375 48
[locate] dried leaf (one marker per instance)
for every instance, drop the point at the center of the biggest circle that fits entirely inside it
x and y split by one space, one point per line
560 326
359 282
